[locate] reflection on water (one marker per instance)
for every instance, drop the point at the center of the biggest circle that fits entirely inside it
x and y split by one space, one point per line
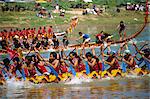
135 88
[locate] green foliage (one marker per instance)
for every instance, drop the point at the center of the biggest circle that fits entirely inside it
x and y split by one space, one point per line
64 5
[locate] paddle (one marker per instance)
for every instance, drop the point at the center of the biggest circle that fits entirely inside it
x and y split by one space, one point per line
71 67
124 67
87 68
53 70
72 70
78 41
71 52
140 49
50 67
23 74
5 74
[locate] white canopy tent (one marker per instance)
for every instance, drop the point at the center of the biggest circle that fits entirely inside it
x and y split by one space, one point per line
87 0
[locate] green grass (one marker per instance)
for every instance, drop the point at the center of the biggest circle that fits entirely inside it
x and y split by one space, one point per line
107 21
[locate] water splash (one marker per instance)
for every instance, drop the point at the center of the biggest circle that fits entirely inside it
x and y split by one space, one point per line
107 78
77 80
14 84
133 76
133 41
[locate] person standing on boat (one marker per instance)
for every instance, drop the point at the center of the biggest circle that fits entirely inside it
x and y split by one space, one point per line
86 38
121 28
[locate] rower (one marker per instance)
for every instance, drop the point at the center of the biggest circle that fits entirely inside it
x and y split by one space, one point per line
86 38
112 61
29 67
63 67
7 69
76 61
17 66
53 61
39 63
129 60
94 63
145 56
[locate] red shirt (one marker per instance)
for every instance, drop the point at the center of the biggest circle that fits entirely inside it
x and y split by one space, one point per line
50 30
99 35
43 31
39 31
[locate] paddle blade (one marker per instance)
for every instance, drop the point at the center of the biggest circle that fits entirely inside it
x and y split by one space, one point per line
23 74
53 71
5 75
103 66
124 67
87 68
147 64
72 70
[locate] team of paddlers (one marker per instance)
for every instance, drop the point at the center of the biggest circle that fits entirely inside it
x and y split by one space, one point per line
60 66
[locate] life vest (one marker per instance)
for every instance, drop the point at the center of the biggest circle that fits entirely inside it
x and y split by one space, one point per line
1 75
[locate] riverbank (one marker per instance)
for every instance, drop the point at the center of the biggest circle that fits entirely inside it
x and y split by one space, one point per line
91 24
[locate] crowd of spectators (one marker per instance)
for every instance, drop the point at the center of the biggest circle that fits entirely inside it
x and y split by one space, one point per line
135 7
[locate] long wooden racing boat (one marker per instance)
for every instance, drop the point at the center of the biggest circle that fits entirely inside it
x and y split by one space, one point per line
65 77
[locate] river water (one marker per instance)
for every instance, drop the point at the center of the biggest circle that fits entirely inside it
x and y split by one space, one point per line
131 87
